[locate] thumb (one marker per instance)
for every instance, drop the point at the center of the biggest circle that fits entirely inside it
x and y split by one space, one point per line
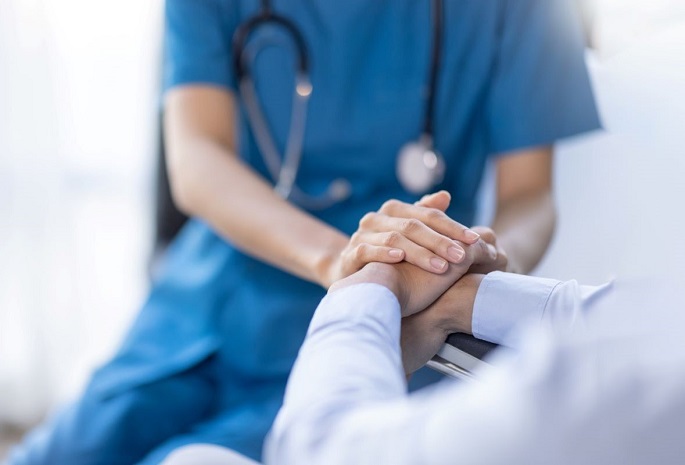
439 200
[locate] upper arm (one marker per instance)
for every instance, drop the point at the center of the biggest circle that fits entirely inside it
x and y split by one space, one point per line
199 84
524 173
199 79
199 112
198 131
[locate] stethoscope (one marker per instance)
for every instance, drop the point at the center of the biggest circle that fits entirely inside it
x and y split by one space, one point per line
420 167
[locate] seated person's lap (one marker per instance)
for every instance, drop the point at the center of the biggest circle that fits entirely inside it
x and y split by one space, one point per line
121 428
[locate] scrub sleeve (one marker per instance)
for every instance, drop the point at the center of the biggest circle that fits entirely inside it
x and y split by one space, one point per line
540 91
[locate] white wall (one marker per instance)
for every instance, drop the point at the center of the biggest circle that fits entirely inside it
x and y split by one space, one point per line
621 194
78 100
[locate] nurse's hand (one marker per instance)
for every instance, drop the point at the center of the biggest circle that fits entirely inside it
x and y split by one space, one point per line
417 289
421 234
499 263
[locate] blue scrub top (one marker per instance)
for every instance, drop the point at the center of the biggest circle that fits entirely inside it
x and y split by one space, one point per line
513 76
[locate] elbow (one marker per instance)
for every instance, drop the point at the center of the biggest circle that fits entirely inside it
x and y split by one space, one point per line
309 439
182 184
281 446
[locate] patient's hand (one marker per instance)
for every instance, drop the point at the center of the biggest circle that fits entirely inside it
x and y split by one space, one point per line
501 261
424 333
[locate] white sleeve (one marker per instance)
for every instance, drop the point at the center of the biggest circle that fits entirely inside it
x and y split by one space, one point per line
346 400
351 357
505 302
554 401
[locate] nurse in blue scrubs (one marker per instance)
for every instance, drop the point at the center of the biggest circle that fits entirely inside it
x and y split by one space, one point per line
208 357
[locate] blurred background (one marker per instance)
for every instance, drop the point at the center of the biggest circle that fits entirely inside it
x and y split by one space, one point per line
79 139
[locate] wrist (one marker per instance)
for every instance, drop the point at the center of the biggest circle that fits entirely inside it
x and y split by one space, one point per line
326 268
458 315
374 273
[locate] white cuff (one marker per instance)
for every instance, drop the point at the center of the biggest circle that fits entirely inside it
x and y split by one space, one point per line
504 301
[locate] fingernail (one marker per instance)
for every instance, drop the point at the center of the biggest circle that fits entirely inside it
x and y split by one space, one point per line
493 251
455 253
471 236
438 263
396 253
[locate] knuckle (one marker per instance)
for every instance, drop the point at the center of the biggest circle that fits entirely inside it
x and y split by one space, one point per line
360 251
474 253
434 215
367 220
392 238
485 251
389 205
487 234
410 225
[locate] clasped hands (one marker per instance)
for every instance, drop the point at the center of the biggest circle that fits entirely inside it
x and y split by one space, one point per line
435 275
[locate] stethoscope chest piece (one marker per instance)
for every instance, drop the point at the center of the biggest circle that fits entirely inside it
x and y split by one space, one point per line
420 167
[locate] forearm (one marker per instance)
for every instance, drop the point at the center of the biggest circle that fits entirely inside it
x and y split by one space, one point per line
424 333
524 226
351 357
346 403
214 185
492 307
209 181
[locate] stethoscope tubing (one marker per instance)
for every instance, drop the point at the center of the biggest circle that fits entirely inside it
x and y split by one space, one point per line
284 170
437 16
266 16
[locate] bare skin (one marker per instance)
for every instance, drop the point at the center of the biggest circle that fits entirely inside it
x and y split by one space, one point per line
200 129
416 289
447 299
525 217
425 332
203 167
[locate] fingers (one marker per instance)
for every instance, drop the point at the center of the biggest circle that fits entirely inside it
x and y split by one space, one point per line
413 253
500 263
480 254
363 252
485 233
440 200
421 235
433 218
